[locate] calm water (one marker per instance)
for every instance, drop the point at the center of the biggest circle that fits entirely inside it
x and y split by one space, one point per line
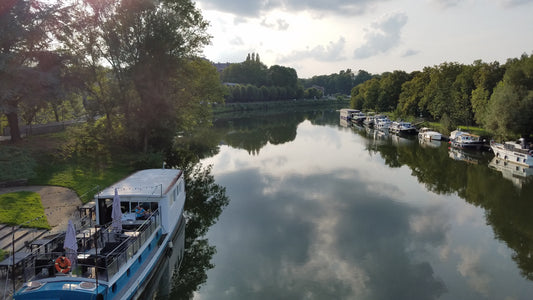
320 211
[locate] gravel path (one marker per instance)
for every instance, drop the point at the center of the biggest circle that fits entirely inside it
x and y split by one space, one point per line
60 204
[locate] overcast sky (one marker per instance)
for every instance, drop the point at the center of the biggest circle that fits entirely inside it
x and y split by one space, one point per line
318 37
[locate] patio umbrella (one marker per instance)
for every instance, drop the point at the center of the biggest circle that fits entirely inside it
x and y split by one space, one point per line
116 213
70 244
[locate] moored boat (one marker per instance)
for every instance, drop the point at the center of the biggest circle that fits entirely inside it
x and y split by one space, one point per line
382 123
402 127
514 153
464 140
138 220
346 113
358 117
429 134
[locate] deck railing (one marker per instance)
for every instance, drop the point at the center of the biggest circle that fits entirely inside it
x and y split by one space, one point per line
94 263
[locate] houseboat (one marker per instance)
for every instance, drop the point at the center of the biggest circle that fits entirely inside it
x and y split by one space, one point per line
138 223
401 127
464 140
428 134
358 117
512 152
346 113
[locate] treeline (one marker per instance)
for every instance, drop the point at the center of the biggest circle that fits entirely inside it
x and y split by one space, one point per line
496 97
338 83
252 80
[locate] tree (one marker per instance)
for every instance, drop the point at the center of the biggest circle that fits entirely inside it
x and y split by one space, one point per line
29 70
412 93
390 89
437 97
510 109
147 44
486 78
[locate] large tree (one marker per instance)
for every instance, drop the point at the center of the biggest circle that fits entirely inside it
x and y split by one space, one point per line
510 111
30 72
146 43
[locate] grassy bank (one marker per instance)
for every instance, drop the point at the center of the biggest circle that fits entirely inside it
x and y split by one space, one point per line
22 208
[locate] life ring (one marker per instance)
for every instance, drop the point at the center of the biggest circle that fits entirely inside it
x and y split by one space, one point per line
63 264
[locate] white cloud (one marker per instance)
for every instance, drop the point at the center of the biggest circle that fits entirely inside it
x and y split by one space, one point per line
382 36
279 24
331 52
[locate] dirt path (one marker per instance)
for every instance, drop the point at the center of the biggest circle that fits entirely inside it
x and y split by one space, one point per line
59 204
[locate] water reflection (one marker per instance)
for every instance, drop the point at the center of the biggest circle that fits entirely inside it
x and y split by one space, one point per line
335 212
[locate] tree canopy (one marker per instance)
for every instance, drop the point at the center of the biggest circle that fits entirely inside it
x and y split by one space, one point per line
497 97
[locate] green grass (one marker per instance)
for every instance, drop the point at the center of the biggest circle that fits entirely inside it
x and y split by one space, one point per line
20 208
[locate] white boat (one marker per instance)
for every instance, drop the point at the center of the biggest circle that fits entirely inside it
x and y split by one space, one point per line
428 134
358 117
113 263
382 123
464 140
401 127
346 113
514 153
369 120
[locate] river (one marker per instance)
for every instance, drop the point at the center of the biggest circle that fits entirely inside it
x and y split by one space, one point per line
322 211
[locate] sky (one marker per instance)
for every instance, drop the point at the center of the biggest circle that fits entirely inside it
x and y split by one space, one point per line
321 37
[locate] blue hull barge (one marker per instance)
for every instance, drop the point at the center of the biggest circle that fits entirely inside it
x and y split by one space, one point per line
120 253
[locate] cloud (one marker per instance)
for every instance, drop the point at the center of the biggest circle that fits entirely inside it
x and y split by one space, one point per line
255 8
279 24
317 243
331 52
410 52
471 268
382 36
237 41
446 3
512 3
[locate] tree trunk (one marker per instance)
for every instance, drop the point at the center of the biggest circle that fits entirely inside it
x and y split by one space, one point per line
13 121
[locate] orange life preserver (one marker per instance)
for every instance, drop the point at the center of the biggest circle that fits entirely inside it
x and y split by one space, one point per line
63 264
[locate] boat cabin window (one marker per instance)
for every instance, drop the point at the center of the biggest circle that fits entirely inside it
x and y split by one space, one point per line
105 209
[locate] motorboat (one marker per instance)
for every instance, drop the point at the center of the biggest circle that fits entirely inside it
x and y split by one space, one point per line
428 134
513 152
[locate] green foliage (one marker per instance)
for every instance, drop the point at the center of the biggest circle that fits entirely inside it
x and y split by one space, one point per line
511 105
20 208
16 163
252 81
341 82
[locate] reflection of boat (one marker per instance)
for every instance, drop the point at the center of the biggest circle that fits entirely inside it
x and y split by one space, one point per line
429 143
111 263
344 123
513 153
465 140
429 134
346 113
458 154
402 127
517 174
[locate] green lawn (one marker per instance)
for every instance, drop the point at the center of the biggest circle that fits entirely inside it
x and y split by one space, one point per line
20 207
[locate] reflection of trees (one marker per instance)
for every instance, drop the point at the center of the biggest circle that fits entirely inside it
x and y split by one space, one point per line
508 209
204 204
254 132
